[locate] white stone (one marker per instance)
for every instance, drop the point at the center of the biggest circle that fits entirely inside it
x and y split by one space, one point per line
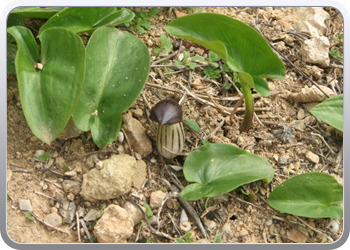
115 225
156 199
316 51
309 20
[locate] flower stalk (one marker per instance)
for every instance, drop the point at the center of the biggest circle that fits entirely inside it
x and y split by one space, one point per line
170 131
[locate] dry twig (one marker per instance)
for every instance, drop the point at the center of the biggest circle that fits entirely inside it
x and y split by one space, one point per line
49 225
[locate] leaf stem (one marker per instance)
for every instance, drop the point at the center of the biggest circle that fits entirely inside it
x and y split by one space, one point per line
249 107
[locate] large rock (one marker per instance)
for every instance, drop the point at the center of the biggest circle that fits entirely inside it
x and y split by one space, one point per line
113 180
309 20
316 51
313 94
115 225
137 136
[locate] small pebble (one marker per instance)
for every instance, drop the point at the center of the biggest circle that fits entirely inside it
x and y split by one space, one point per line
301 114
99 165
38 153
120 137
156 199
312 157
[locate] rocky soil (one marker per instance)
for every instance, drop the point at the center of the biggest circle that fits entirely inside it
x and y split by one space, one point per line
82 194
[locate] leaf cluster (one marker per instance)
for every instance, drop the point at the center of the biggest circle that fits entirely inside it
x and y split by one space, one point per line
141 21
337 48
165 44
93 84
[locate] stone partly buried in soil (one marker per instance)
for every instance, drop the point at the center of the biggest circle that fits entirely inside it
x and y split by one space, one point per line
137 136
115 225
113 180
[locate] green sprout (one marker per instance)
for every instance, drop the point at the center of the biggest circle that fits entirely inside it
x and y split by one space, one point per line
185 61
29 216
141 21
188 238
165 44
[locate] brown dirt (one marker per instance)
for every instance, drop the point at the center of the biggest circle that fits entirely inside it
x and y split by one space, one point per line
238 219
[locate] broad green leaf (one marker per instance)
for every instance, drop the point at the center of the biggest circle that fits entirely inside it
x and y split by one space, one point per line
36 12
220 168
86 19
261 86
241 46
13 20
48 96
11 56
246 78
313 195
117 66
330 111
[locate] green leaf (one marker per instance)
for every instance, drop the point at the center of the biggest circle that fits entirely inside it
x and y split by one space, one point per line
330 111
157 51
153 11
48 96
217 237
178 240
242 47
36 12
117 66
220 168
87 19
192 124
13 20
213 57
313 195
246 79
44 156
191 65
11 56
261 86
149 212
198 58
29 216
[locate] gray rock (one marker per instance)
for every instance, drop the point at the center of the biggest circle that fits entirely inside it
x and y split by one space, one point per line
67 209
68 212
25 205
137 136
93 215
70 186
53 219
115 225
110 182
